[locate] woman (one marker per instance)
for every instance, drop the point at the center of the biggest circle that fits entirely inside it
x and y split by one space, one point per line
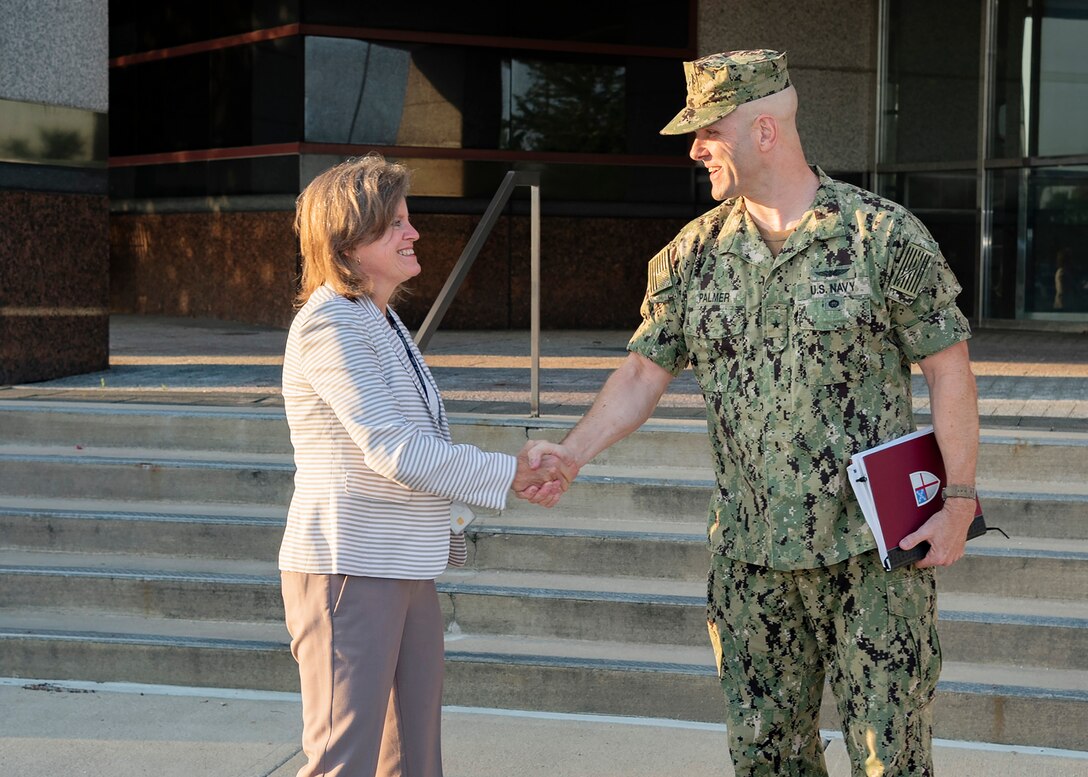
368 529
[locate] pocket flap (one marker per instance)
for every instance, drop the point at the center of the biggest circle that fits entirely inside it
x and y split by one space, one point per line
714 322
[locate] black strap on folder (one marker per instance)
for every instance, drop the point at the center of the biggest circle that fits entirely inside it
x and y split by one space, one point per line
897 557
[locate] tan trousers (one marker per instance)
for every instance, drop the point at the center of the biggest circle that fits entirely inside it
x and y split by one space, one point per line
370 657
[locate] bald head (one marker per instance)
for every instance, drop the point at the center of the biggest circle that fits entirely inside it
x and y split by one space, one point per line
780 106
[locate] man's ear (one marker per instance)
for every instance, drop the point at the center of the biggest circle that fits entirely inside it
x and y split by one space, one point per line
766 132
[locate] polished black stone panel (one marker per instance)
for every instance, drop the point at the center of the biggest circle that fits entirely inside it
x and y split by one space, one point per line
54 293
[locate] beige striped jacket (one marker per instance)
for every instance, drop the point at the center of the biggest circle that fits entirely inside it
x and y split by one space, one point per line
375 467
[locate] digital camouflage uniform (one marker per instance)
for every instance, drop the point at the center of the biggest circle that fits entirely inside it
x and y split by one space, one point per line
804 359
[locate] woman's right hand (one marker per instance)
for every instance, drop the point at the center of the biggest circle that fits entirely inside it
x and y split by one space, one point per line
545 471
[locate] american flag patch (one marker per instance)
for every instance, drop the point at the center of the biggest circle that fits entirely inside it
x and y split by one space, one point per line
660 274
912 270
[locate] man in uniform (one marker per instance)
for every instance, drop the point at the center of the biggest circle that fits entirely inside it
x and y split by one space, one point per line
800 303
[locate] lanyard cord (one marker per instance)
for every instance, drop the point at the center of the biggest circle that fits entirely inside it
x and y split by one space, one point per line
411 358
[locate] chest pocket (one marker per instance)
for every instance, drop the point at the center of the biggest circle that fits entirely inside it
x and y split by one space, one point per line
716 338
832 338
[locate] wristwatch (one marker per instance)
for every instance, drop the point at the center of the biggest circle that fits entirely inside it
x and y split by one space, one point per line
957 492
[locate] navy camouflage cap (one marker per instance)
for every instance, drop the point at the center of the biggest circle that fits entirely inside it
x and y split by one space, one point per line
719 83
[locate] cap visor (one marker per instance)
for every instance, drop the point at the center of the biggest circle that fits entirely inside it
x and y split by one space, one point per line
689 121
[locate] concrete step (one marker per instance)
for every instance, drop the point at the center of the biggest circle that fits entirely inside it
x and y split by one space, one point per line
668 499
661 498
100 646
604 523
1023 567
162 426
973 628
1018 454
146 474
525 539
986 629
201 530
195 589
1004 454
993 704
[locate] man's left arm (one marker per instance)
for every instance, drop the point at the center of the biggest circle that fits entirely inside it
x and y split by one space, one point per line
953 400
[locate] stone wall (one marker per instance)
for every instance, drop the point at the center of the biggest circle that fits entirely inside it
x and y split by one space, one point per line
830 49
54 213
243 267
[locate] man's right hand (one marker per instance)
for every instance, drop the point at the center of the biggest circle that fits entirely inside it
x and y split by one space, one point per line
545 471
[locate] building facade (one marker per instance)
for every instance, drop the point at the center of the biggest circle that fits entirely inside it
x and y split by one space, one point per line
974 114
54 214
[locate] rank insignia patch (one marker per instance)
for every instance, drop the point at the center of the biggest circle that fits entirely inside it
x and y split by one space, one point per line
912 270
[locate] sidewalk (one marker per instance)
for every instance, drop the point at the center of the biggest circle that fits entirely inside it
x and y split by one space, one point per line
124 730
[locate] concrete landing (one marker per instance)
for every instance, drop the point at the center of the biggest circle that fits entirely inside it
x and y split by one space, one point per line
127 730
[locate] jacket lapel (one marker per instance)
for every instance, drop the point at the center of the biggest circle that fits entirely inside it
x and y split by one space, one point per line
429 396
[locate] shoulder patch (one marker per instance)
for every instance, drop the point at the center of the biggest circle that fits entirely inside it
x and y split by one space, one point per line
660 274
911 271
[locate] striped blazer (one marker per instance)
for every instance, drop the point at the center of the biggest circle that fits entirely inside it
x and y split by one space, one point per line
375 467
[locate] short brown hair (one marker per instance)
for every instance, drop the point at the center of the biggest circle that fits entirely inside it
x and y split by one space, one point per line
349 204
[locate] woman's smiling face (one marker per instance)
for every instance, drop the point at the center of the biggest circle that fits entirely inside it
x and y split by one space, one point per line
391 259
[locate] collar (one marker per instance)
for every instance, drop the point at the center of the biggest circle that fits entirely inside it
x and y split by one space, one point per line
821 222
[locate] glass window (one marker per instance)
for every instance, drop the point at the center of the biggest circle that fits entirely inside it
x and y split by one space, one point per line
1041 88
662 23
137 25
239 96
945 203
1039 260
931 92
214 178
482 98
562 106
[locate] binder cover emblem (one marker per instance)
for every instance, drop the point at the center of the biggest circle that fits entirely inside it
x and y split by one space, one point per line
926 485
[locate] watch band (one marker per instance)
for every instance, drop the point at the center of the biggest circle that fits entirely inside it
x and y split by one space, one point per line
958 492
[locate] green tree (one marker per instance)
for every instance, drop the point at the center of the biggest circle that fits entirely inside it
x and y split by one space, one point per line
570 107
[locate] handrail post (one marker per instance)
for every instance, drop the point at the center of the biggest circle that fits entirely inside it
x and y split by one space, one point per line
534 308
468 256
464 263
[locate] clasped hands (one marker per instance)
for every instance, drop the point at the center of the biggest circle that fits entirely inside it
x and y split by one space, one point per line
545 471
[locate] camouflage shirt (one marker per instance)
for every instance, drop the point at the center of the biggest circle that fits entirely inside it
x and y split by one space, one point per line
803 358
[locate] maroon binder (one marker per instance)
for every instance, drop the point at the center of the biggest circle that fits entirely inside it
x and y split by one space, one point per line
898 485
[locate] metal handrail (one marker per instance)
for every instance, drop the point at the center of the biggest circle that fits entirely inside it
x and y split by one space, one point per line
468 256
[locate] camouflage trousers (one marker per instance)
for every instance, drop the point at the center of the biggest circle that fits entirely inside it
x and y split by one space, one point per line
777 634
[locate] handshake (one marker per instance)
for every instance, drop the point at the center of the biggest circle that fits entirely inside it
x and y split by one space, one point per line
545 471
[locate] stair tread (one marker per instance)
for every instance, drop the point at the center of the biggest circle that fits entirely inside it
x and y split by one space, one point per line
538 584
73 621
698 477
91 407
174 508
100 405
45 561
496 647
595 650
949 603
106 454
